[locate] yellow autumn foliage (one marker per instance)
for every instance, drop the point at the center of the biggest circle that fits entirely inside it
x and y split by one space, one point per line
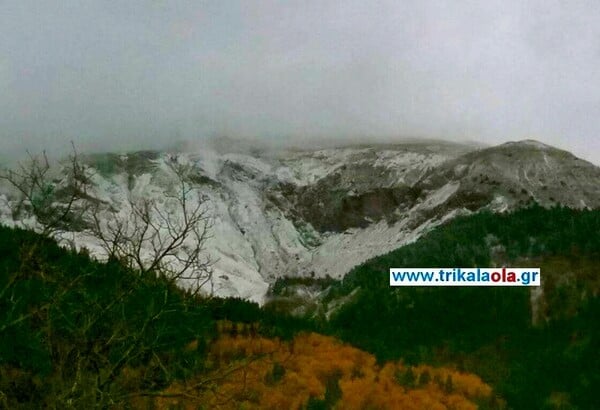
261 373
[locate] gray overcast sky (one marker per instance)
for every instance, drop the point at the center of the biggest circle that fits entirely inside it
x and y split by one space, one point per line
114 75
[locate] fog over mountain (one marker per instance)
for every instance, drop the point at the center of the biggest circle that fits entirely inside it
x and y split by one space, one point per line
142 74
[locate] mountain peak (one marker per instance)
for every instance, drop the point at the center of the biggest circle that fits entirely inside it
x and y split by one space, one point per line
528 143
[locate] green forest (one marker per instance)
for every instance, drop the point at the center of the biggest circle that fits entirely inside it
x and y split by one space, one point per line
71 326
489 331
77 333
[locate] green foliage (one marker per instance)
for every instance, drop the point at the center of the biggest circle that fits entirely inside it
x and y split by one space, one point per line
91 334
333 393
449 385
424 378
81 323
488 330
314 403
276 374
79 333
407 378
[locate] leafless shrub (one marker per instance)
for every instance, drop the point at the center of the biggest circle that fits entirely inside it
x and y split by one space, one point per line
168 239
57 205
166 236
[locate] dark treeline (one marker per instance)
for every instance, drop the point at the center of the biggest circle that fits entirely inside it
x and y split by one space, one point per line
489 331
78 333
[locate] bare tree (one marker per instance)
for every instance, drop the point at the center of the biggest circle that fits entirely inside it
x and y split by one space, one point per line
168 239
57 205
164 235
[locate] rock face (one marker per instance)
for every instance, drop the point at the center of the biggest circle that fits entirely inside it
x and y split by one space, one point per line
516 172
321 212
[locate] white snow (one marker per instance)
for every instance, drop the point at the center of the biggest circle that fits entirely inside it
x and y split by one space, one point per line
530 143
441 195
500 204
253 242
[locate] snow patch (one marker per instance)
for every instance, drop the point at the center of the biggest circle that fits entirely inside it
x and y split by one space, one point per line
441 195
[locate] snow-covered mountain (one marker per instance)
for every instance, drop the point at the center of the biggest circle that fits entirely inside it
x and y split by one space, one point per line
303 212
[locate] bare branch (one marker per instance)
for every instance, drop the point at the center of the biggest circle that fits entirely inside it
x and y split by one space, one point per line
168 240
56 205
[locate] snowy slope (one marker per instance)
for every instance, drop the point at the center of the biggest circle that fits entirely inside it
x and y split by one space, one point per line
301 212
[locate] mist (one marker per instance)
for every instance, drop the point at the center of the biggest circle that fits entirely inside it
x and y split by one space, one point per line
113 75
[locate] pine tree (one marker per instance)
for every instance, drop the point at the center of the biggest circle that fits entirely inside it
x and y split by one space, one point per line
424 378
449 385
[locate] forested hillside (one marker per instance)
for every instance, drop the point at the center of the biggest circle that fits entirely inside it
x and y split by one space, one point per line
78 333
71 329
75 333
538 350
314 372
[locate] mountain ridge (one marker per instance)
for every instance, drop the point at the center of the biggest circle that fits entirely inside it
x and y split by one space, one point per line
320 212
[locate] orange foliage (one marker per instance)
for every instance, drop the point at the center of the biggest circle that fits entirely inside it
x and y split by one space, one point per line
261 373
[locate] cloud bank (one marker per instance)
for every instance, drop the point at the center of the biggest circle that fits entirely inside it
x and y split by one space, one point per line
116 75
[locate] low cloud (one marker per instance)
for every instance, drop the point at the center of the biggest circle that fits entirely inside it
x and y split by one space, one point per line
111 76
